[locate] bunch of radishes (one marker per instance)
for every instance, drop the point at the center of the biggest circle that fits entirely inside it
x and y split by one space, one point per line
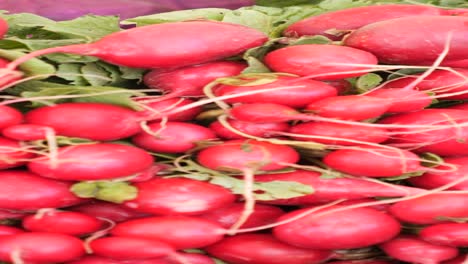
383 173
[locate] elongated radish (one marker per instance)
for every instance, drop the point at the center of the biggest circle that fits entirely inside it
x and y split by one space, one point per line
9 230
3 27
353 228
309 91
153 109
336 24
266 112
446 234
172 137
414 250
32 192
403 100
189 81
431 180
261 249
26 132
265 130
321 62
111 211
13 154
165 45
179 196
404 45
431 209
9 117
93 162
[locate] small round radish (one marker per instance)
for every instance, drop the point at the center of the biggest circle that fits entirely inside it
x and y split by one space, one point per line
264 249
69 223
189 81
253 129
307 91
179 196
157 107
172 137
403 100
12 154
385 162
347 229
9 117
446 234
431 180
247 154
26 132
358 134
130 248
32 192
431 209
93 162
37 247
95 121
9 230
111 211
352 107
321 62
181 232
414 250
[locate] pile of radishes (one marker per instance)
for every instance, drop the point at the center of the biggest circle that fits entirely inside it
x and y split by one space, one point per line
348 176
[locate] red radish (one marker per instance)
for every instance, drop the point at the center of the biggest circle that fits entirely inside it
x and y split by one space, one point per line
264 249
404 45
347 229
264 130
228 215
413 250
342 86
9 230
446 141
155 108
431 180
266 112
431 209
189 81
3 27
463 106
93 162
361 261
172 137
111 211
335 24
9 117
166 45
403 100
192 258
13 154
130 248
22 190
385 162
247 154
351 107
301 93
95 121
37 247
461 259
321 62
69 223
26 132
329 190
180 196
358 134
181 232
446 234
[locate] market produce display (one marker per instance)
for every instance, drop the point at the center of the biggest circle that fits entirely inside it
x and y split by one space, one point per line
325 132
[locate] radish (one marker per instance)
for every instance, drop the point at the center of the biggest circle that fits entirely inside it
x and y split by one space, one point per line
361 261
329 190
331 133
189 81
181 196
265 130
321 62
172 137
95 161
266 112
165 45
403 100
27 132
431 180
3 27
22 190
264 249
413 250
385 162
110 211
13 154
192 258
155 108
463 106
307 91
353 228
461 259
37 247
95 121
447 234
228 215
398 41
335 24
9 117
9 230
431 209
350 107
181 232
69 223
